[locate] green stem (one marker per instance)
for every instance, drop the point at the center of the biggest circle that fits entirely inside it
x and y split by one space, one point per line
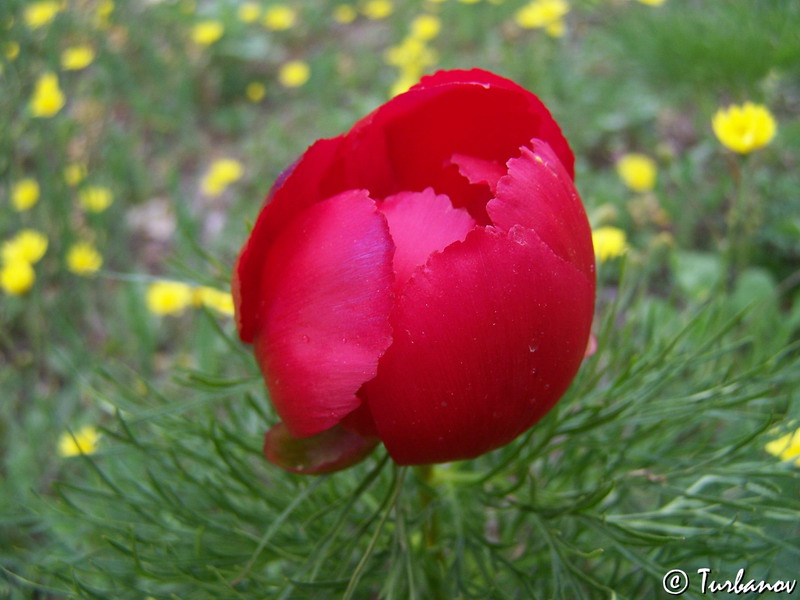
433 549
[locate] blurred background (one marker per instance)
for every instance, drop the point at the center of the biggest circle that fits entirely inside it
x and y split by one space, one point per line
138 139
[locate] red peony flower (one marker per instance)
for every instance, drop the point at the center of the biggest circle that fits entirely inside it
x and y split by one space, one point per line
425 280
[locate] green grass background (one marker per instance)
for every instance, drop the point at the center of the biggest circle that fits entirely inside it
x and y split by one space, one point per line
655 459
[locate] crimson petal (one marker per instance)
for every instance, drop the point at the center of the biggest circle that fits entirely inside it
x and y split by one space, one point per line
299 187
326 296
487 337
538 194
422 223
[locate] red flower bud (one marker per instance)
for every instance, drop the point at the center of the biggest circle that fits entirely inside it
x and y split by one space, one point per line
425 280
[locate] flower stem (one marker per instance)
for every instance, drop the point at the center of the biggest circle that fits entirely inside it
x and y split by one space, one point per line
433 549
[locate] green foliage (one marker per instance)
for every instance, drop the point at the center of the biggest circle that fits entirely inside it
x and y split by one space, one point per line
655 460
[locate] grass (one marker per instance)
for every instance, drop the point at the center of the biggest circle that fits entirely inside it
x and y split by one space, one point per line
655 460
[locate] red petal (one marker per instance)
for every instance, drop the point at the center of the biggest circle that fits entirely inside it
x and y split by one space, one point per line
326 293
422 223
487 337
456 112
300 186
538 194
479 171
328 451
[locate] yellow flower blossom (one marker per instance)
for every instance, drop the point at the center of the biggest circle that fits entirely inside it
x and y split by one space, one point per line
77 57
344 13
637 171
744 128
11 50
206 33
24 194
219 300
103 12
609 242
279 17
39 14
84 259
28 245
378 9
48 98
255 91
16 277
652 2
168 297
74 174
294 74
220 175
95 198
546 14
425 27
249 12
786 447
83 441
411 56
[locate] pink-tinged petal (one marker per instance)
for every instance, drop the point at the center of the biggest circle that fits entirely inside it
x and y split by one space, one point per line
487 337
479 171
300 186
422 223
331 450
538 194
326 293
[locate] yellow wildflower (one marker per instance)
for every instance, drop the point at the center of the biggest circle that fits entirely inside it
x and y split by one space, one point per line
103 12
786 447
255 91
83 441
425 27
546 14
637 171
609 242
11 50
219 300
168 297
294 74
96 198
378 9
28 245
84 259
411 56
744 128
344 14
16 277
77 57
39 14
48 98
24 194
652 2
279 17
74 174
249 12
206 33
220 175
